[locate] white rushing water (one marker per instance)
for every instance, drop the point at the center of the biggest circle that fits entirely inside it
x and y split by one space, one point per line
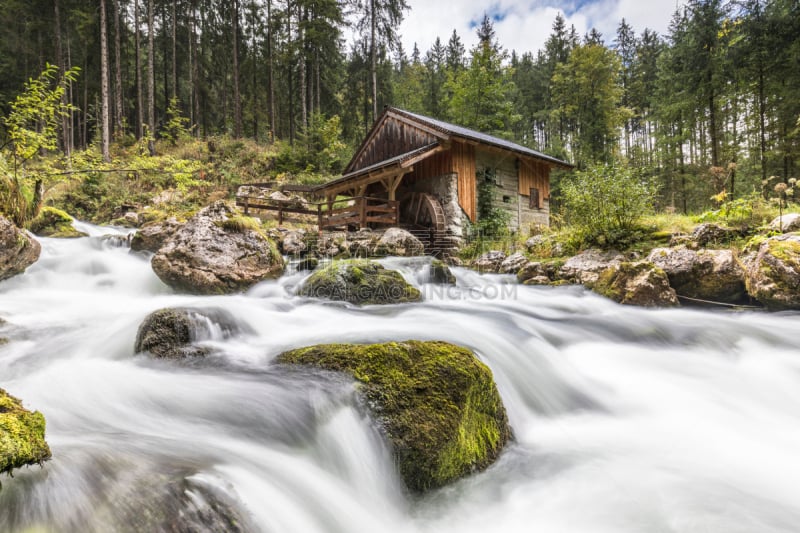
625 419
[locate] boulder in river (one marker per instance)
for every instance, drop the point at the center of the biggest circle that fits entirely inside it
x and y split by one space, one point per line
441 274
587 265
639 283
170 333
399 242
217 252
704 274
55 223
153 235
18 250
359 282
434 402
489 261
513 263
21 435
773 275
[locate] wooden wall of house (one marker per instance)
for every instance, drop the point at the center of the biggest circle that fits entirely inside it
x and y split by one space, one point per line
390 139
463 158
432 167
534 175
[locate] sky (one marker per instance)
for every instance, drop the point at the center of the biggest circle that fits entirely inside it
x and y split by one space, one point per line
524 25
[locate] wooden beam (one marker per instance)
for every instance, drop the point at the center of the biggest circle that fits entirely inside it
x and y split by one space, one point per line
373 177
424 155
413 123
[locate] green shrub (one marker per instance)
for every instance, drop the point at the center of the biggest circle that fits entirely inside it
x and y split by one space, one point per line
606 203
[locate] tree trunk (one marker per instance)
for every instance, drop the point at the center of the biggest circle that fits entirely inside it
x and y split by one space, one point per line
762 124
373 59
301 64
237 98
118 103
65 120
254 58
138 59
290 76
105 124
193 104
174 48
151 79
270 76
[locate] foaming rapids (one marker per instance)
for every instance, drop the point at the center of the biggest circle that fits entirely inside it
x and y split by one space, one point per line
625 419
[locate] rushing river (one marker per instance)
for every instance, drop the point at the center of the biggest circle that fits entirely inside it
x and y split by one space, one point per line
625 419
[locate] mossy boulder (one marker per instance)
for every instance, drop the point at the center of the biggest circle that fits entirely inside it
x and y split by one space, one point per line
436 403
217 251
703 274
18 250
773 275
359 282
441 274
639 283
21 435
52 222
170 333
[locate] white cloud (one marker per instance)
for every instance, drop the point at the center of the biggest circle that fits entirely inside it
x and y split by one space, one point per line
527 24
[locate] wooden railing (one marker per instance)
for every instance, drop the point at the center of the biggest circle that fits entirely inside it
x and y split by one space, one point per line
357 211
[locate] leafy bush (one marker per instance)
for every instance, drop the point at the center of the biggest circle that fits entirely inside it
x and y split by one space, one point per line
606 203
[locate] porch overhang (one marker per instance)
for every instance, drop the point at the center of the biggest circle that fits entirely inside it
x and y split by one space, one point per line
389 173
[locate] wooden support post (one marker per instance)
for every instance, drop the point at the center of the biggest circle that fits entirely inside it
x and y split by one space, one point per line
363 213
319 218
246 205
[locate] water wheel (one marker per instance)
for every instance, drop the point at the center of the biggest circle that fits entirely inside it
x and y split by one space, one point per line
423 210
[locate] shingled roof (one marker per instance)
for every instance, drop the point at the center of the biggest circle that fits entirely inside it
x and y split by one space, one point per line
466 133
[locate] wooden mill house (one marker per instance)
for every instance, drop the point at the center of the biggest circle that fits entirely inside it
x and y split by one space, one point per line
418 172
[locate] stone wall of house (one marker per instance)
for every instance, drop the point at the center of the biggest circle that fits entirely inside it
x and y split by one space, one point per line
506 191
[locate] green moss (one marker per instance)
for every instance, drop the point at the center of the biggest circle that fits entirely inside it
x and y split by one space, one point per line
21 435
55 223
240 224
359 282
786 251
3 341
435 402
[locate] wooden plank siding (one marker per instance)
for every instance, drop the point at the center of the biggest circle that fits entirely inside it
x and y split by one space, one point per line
390 139
534 175
463 158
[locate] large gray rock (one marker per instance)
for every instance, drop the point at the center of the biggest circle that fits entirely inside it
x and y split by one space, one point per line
711 233
787 223
513 263
153 235
217 252
294 244
359 282
639 283
18 250
489 262
399 242
703 274
533 273
773 275
587 265
170 333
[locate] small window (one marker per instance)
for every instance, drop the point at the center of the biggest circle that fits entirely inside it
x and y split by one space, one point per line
534 199
506 199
